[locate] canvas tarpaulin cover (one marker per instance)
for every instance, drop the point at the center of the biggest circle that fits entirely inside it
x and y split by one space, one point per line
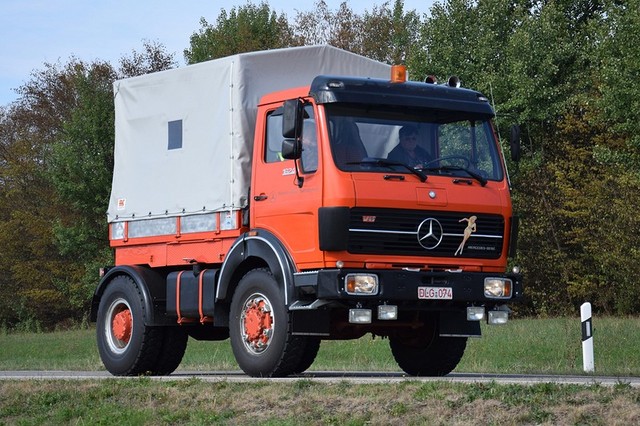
184 137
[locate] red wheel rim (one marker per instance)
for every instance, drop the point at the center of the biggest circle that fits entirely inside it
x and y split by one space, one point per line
257 323
118 326
122 325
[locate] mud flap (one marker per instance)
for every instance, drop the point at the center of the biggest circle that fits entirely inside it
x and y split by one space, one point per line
455 324
310 322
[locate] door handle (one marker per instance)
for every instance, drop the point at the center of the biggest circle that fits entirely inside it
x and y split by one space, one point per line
260 197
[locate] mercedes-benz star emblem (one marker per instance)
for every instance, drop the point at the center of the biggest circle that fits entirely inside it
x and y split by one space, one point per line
430 233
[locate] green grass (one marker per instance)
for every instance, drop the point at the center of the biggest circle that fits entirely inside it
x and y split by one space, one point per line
550 346
554 346
141 401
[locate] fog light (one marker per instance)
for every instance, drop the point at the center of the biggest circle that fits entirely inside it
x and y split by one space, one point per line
498 317
475 313
360 316
361 284
387 312
497 288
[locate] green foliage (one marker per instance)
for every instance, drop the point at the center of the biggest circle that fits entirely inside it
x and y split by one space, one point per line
82 162
244 29
619 85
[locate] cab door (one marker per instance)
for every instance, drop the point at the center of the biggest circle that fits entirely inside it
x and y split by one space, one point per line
285 202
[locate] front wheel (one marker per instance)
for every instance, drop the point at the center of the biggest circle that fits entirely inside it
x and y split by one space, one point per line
311 348
434 356
259 328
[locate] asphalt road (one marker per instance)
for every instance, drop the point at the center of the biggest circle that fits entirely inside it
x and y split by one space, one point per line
333 377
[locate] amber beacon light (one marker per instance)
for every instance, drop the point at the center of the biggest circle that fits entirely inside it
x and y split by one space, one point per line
398 73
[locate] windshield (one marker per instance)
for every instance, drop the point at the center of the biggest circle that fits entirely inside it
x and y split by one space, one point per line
432 142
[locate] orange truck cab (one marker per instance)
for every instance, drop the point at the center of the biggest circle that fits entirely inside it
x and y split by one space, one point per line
355 203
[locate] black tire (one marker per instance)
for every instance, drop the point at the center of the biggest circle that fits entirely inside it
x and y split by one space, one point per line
259 328
174 345
433 356
126 345
311 348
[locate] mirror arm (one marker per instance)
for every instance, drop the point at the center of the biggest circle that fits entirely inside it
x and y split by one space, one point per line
299 179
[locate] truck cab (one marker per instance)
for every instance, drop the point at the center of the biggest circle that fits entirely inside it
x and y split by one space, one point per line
384 244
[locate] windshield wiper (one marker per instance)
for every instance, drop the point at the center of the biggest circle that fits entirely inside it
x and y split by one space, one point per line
476 176
387 163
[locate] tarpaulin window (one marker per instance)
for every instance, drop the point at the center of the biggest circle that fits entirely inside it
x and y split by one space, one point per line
175 134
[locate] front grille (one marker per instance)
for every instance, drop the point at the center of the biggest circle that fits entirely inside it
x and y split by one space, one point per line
395 232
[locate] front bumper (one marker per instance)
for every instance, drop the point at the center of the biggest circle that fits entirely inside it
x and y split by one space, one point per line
403 286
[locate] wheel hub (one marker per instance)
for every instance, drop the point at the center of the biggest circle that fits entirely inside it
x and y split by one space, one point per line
257 324
121 326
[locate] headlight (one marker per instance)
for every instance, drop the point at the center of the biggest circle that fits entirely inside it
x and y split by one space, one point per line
361 284
497 288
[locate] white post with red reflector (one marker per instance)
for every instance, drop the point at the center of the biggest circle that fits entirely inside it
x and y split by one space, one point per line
587 338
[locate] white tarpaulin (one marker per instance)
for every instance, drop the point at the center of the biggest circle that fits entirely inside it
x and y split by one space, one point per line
184 137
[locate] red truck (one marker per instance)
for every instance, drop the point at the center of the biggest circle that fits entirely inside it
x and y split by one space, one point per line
284 197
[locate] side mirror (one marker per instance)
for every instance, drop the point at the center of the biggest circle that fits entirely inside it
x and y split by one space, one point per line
292 119
514 142
291 149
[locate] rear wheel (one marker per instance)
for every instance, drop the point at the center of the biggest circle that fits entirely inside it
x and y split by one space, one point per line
428 356
126 345
174 345
259 328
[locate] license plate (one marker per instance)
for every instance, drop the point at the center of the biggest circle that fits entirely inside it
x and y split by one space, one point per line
435 293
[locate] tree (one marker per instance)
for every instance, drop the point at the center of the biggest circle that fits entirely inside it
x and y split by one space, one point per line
619 85
56 160
244 29
152 58
384 34
28 255
400 30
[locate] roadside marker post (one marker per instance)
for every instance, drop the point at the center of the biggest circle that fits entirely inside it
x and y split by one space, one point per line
587 338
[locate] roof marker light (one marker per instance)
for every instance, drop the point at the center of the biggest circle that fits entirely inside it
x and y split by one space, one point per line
454 81
398 73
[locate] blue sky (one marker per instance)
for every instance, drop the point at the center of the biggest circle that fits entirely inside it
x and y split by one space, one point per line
33 32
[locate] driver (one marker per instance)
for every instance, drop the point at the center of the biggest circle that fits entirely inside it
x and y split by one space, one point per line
407 151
